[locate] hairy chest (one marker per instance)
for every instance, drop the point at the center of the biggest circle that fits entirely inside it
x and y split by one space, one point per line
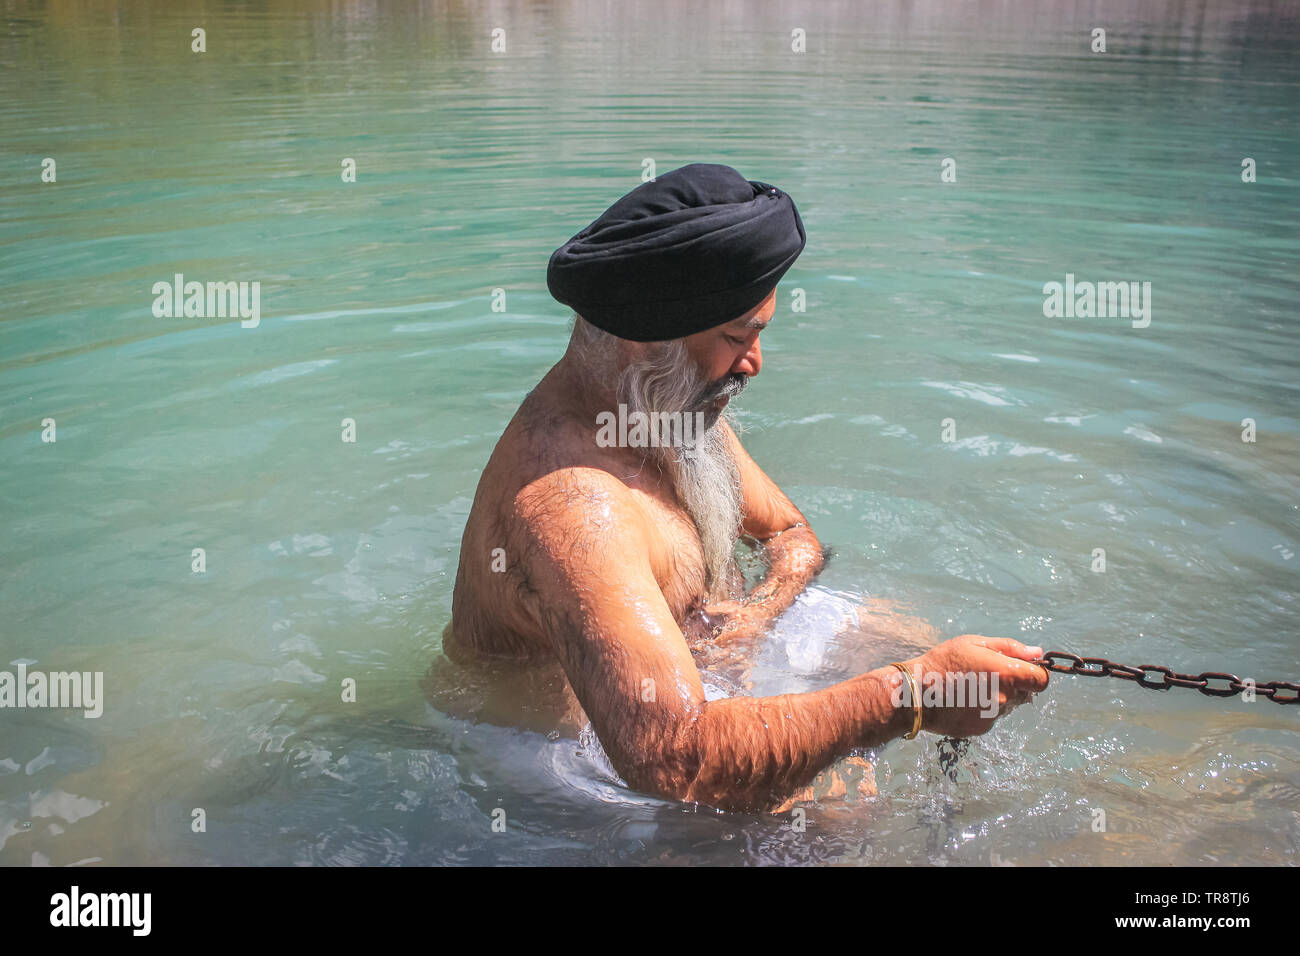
676 556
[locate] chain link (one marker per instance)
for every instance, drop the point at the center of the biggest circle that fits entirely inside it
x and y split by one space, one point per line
1274 690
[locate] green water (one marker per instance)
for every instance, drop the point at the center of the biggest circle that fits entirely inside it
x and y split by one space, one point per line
328 560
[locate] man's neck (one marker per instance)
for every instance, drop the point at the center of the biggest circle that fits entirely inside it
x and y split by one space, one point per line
581 394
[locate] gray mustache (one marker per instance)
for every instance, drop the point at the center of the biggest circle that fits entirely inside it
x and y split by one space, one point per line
729 387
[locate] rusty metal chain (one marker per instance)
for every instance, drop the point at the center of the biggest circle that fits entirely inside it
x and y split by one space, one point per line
1274 690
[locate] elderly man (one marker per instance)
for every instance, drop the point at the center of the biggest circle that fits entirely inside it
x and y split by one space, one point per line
605 548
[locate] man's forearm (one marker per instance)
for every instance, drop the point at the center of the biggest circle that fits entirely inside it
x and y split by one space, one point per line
793 558
750 753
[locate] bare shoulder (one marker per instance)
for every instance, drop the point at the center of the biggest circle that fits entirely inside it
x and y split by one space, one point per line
578 516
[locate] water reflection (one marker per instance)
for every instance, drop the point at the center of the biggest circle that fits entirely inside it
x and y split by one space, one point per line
924 303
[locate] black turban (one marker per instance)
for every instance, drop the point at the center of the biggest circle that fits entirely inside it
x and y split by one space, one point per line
698 247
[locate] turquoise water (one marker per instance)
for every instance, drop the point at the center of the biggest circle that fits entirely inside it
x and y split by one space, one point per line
328 560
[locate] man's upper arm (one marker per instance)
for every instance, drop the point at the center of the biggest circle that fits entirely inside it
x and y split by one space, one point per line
768 510
587 557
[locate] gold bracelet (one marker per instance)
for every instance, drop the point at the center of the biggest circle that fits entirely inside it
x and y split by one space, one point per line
916 699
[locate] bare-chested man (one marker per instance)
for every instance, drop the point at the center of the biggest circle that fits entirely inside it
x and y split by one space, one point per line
611 562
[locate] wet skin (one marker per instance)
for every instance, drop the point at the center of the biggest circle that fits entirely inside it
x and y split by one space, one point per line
602 603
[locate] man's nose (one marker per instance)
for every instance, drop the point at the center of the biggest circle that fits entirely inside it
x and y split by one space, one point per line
751 363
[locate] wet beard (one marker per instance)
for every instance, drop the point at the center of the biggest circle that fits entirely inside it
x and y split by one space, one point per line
708 486
707 481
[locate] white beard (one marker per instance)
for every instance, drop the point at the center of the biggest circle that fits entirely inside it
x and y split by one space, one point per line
708 486
707 482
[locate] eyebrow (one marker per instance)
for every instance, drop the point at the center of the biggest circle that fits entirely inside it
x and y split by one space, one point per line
756 323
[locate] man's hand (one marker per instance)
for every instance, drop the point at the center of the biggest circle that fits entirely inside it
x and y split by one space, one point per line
988 658
736 620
